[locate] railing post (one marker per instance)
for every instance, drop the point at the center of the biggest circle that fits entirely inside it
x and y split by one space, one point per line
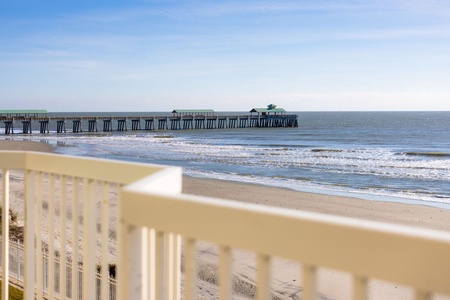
132 275
89 238
5 231
360 288
309 282
29 236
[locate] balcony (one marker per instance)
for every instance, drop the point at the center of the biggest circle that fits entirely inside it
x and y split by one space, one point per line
81 216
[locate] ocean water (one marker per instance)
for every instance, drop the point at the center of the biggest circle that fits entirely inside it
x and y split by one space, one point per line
390 156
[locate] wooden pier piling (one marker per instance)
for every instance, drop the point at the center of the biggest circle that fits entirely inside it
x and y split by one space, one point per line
162 123
243 122
43 126
136 124
61 126
77 125
232 121
211 122
188 122
107 125
199 122
92 125
26 126
149 124
175 123
122 125
9 127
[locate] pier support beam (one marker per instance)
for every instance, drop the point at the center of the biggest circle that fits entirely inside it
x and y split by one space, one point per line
9 127
199 123
243 122
187 123
43 126
211 123
26 126
254 122
175 123
77 126
232 122
61 126
136 124
222 122
107 125
92 125
149 124
122 125
162 123
263 122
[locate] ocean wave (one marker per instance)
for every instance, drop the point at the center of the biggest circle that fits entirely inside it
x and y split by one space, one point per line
431 154
328 150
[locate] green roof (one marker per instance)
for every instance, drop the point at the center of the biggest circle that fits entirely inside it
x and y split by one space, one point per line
266 109
23 112
192 111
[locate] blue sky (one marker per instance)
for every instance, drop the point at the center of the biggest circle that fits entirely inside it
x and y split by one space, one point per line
225 55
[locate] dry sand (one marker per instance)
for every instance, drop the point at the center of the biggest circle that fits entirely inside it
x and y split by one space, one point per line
11 145
332 284
389 212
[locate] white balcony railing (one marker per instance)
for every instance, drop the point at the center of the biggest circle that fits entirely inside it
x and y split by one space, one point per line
160 228
86 189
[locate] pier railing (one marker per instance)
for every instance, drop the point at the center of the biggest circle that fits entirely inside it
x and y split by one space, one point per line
160 230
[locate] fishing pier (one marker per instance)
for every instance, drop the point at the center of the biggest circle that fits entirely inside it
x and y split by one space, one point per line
178 120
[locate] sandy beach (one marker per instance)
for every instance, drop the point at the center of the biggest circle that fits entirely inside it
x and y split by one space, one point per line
332 284
11 145
389 212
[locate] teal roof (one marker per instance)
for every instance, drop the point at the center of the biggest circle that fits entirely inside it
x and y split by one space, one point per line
23 112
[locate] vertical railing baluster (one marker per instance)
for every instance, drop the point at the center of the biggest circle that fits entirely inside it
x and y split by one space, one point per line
30 270
263 277
170 265
159 265
123 253
89 240
190 268
309 282
75 233
105 241
176 267
360 290
38 230
423 295
51 235
225 278
5 233
63 237
151 270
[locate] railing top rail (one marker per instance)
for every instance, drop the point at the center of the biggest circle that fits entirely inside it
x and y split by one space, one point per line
376 250
104 170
